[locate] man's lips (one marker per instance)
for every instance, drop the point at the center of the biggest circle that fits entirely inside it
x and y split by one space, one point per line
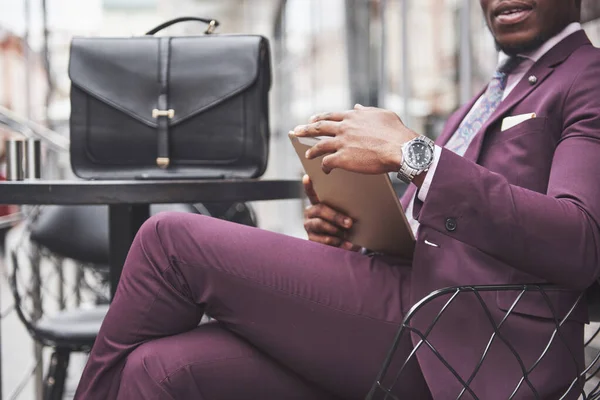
512 14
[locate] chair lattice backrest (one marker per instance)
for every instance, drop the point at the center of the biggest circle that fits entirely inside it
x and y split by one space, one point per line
43 282
582 378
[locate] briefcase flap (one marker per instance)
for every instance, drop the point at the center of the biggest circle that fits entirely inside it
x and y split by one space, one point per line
204 71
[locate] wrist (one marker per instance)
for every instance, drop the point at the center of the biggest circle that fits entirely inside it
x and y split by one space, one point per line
395 159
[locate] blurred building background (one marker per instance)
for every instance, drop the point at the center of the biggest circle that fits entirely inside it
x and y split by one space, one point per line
419 58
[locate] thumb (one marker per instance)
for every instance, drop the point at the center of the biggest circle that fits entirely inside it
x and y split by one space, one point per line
309 190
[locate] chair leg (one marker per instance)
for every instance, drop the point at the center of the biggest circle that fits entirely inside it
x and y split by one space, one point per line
54 384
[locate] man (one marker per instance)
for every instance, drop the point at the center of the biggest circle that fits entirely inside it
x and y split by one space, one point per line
512 197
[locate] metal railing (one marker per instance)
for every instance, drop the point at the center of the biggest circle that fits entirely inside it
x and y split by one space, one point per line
30 129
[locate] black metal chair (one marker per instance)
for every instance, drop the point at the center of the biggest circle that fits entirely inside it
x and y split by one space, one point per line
582 379
79 233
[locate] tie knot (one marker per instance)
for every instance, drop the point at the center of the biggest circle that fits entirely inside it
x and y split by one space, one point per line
510 65
506 69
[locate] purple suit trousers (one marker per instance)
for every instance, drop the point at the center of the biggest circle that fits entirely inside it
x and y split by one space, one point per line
296 319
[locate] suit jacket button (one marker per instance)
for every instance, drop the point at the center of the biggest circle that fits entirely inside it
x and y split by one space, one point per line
451 224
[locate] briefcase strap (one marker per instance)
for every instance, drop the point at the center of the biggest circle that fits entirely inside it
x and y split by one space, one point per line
163 114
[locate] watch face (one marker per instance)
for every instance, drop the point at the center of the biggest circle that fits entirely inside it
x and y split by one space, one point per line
419 155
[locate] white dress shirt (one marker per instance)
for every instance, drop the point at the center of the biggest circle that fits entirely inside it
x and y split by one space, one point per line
513 79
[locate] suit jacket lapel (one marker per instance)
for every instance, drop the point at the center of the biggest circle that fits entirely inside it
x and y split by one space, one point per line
456 119
541 70
521 91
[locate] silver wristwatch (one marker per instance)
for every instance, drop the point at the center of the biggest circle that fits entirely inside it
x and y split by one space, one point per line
417 156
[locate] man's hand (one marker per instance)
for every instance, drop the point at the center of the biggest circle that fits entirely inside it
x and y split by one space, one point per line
366 140
323 224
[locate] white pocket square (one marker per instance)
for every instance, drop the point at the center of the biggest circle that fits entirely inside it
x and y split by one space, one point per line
510 122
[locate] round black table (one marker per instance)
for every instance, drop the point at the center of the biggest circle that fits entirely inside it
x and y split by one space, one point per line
129 201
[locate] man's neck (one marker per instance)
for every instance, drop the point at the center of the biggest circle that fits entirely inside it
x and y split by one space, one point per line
538 53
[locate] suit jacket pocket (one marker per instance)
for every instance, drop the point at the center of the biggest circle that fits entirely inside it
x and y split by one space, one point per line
535 304
528 127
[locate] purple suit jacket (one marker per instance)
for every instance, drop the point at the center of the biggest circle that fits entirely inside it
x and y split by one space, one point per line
526 205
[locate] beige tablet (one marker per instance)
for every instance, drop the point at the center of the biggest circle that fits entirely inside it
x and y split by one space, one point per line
370 200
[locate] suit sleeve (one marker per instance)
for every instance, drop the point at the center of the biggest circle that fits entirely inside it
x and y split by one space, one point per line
556 235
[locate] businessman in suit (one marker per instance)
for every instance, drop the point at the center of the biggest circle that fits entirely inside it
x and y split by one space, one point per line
508 194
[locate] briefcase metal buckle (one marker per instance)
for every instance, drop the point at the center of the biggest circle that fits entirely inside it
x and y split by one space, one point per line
163 162
163 113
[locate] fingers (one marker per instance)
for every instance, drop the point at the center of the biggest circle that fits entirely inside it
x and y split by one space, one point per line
333 241
333 161
350 247
320 128
326 226
334 116
330 116
310 190
328 214
328 163
322 227
325 146
324 232
327 240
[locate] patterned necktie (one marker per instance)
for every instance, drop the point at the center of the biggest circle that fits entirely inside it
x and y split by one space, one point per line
485 107
473 122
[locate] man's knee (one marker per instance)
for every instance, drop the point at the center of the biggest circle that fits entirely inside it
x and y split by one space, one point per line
137 366
169 224
168 221
140 378
161 237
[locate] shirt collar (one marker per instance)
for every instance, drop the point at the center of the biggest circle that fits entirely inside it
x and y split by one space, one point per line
535 55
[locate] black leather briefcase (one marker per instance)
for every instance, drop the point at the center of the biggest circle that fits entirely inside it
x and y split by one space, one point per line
170 107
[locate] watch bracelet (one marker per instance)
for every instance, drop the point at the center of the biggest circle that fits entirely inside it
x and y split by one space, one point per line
407 177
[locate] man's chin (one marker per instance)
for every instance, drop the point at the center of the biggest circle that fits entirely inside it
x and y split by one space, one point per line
513 49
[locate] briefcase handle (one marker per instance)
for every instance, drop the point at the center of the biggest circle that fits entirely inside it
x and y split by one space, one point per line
212 24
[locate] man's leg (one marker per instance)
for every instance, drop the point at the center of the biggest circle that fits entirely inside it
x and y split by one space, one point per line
327 314
209 363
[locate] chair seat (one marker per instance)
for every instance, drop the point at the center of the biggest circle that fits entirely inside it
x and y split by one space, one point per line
81 232
75 328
